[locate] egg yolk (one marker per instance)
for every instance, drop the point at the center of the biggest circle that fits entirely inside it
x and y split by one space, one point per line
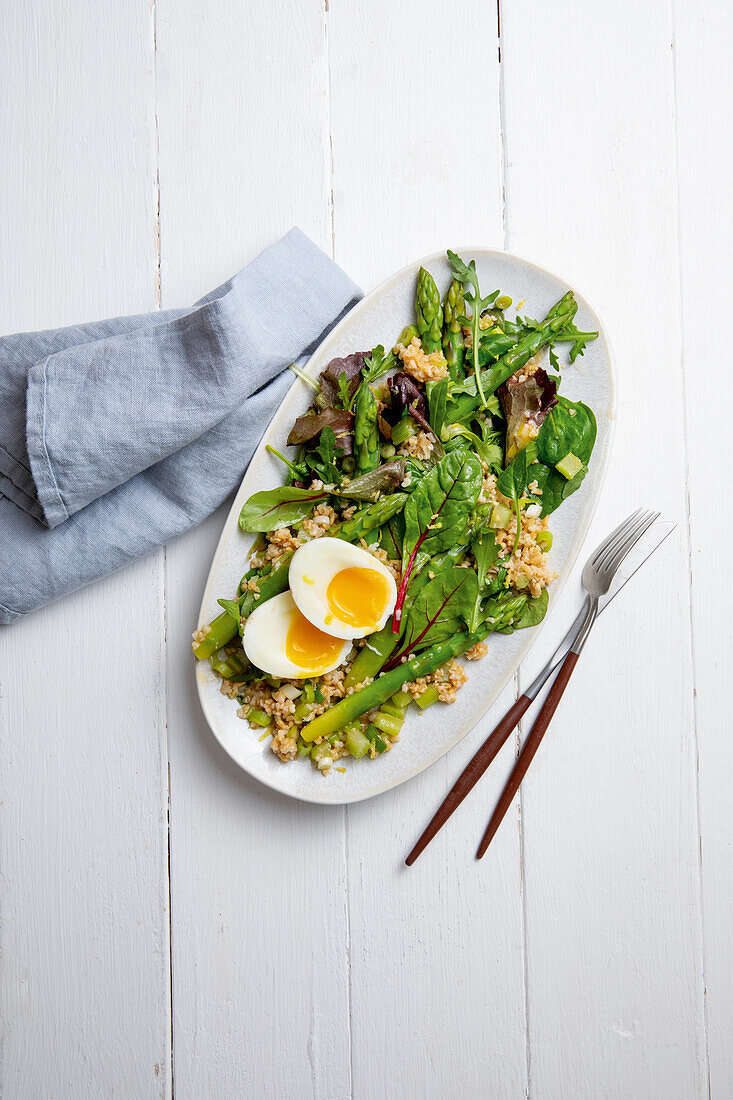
358 596
308 647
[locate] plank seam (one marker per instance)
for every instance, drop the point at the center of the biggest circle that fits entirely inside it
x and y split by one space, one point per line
688 537
517 676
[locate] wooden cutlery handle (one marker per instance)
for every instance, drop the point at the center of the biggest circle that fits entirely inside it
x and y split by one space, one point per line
471 774
529 749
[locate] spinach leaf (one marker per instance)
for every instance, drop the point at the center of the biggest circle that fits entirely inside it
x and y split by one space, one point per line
513 481
371 485
533 611
486 554
437 513
437 399
439 610
281 507
555 488
569 427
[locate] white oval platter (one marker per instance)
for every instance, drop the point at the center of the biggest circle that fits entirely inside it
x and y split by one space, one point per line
426 736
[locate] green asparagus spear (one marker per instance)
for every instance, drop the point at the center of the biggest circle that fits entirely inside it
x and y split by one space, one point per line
371 656
492 377
428 311
453 342
352 706
366 436
351 530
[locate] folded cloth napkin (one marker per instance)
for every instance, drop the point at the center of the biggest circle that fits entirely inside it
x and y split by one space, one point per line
116 436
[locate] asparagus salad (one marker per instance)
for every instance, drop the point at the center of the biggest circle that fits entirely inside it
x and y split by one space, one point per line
412 524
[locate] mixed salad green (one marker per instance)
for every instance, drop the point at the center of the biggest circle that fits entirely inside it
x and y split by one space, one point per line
500 445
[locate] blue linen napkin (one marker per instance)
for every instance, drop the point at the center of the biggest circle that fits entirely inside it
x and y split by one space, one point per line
116 436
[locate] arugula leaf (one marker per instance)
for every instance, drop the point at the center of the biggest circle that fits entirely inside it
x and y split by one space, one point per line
439 610
437 513
568 427
466 274
580 340
280 507
554 361
322 459
377 364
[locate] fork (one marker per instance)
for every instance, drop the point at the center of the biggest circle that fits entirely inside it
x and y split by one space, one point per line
598 573
602 564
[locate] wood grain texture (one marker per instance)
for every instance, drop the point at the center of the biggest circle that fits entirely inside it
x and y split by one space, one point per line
84 993
150 150
609 808
258 884
437 950
704 159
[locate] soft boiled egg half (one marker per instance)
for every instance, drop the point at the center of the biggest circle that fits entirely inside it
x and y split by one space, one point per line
340 588
280 640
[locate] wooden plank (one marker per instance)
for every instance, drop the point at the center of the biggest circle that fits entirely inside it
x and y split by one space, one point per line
610 815
437 995
85 996
258 882
706 243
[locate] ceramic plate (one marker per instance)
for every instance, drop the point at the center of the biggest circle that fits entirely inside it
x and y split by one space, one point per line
426 736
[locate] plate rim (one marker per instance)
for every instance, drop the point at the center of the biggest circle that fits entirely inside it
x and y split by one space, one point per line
586 520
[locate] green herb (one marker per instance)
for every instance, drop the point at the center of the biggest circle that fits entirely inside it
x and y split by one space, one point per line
322 458
344 391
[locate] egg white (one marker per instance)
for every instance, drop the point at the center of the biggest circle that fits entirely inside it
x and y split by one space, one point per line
265 634
312 568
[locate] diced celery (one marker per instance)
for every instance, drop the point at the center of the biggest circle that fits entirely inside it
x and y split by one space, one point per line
388 723
500 516
569 466
428 697
403 431
258 717
356 742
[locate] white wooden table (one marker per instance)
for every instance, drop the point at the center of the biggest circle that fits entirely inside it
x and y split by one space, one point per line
168 925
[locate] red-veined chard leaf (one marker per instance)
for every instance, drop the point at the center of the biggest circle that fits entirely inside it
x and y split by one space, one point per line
439 610
280 507
437 514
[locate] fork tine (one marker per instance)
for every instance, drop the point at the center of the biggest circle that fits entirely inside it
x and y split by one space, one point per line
618 533
623 550
630 529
